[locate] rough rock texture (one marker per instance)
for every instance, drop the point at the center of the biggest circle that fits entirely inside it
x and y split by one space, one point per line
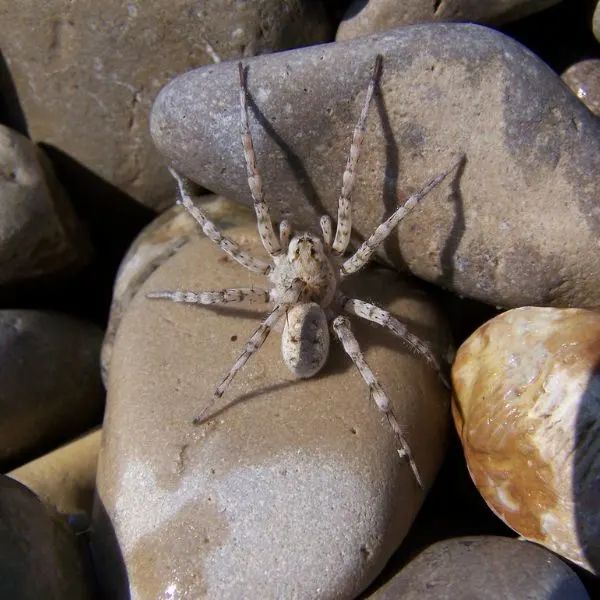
86 73
292 486
584 79
66 477
363 18
50 389
484 567
527 385
156 243
39 233
517 224
39 554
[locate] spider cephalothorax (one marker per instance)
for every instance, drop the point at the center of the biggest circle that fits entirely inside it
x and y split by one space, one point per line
306 271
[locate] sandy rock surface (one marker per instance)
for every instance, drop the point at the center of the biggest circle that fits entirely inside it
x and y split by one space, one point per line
291 488
86 73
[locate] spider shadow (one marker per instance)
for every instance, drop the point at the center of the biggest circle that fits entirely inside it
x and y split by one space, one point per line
11 110
297 168
390 199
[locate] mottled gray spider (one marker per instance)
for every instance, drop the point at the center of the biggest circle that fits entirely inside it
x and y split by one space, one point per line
306 271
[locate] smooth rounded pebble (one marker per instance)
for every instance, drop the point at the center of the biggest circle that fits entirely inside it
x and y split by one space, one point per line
584 79
363 18
39 554
50 389
596 22
526 409
66 477
164 236
291 488
39 233
517 223
480 568
86 73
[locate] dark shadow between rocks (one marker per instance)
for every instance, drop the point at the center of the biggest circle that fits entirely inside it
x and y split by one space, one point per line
586 486
11 111
107 557
112 218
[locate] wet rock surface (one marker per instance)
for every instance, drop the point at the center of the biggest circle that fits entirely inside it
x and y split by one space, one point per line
516 223
279 461
526 409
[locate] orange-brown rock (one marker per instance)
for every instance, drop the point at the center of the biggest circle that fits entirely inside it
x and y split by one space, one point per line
527 409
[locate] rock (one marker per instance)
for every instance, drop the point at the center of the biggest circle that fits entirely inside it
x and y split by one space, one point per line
156 243
50 389
292 486
484 567
86 73
39 554
527 412
65 478
363 18
584 79
517 224
596 22
39 233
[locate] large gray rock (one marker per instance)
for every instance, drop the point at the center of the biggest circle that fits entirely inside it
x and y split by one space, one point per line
86 73
50 389
39 554
39 233
363 18
293 488
517 224
484 567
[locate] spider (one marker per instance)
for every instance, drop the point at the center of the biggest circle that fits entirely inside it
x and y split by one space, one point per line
306 271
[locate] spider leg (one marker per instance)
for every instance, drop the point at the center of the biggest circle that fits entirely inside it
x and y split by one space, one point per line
373 313
325 223
212 297
344 216
257 339
210 230
263 218
343 331
285 233
363 255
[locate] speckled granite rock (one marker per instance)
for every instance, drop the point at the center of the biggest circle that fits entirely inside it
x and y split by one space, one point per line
86 73
39 555
596 22
292 488
50 389
66 477
526 409
484 567
584 79
39 233
517 224
363 18
156 243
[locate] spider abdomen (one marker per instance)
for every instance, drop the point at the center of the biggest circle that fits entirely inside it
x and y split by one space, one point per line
305 339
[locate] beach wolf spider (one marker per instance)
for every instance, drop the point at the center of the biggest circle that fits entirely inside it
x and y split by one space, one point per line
306 271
